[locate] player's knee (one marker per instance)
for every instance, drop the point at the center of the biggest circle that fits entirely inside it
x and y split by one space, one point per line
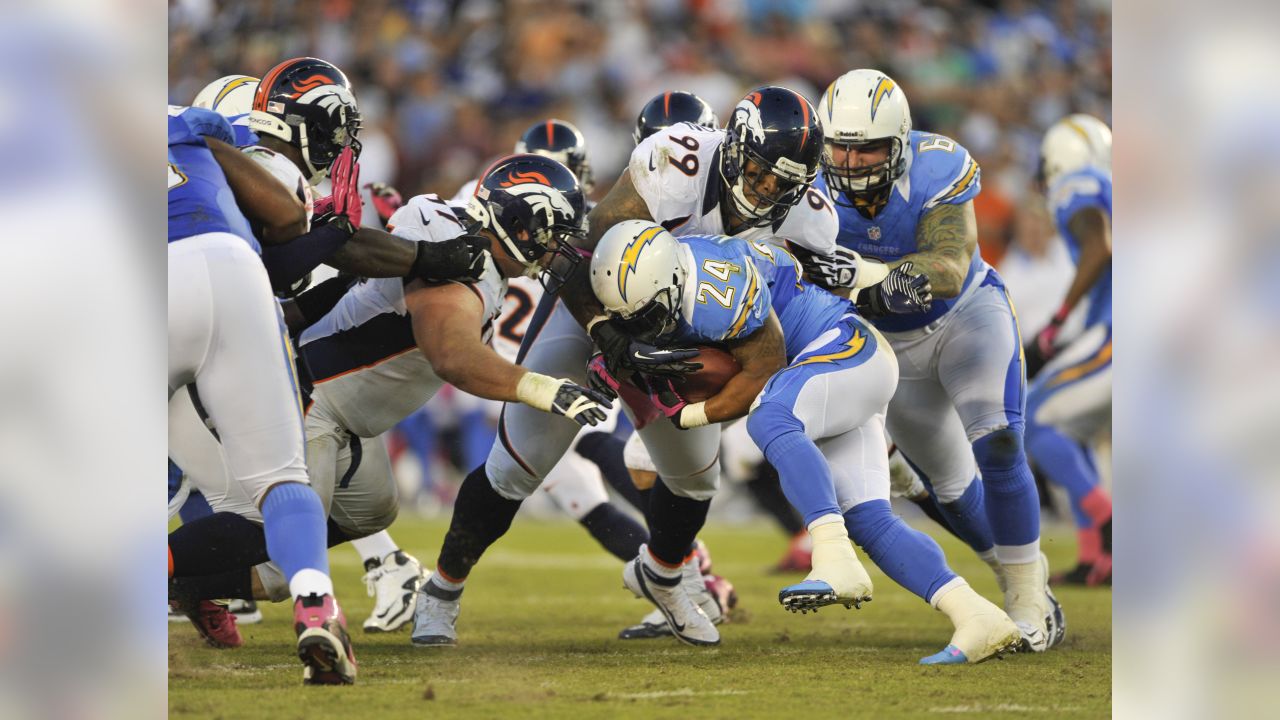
868 522
769 420
1000 449
699 486
510 480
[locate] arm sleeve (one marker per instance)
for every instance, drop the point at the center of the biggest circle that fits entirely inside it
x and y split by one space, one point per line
290 262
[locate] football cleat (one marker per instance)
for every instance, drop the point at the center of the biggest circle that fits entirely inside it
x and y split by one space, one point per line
687 620
435 617
323 644
1032 605
837 578
213 621
393 583
712 593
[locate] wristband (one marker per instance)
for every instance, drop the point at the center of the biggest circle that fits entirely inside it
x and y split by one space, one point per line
694 415
538 391
869 273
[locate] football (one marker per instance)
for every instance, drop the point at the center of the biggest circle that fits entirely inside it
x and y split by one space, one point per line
718 367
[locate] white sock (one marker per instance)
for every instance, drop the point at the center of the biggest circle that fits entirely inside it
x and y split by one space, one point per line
658 567
309 581
376 546
1018 554
444 583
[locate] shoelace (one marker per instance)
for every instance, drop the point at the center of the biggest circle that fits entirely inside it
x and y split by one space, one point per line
372 577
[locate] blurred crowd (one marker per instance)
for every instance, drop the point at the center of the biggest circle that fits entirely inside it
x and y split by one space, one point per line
446 85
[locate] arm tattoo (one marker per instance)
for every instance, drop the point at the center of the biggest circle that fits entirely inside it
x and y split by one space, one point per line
946 238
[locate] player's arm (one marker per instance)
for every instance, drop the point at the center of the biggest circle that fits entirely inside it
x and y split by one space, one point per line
761 354
446 321
946 239
268 204
1092 231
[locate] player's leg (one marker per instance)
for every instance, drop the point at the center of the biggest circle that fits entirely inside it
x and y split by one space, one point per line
529 444
606 450
248 388
826 391
932 441
666 572
1066 408
980 366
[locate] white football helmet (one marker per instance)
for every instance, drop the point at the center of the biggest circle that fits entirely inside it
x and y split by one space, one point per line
638 274
861 107
1074 142
229 96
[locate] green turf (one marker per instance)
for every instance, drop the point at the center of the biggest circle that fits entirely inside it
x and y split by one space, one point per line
537 639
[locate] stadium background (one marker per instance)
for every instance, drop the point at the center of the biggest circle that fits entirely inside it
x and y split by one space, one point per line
445 87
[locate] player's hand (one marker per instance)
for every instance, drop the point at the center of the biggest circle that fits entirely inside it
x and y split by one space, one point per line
345 201
386 200
1044 345
600 379
623 354
665 397
836 271
901 293
461 258
582 405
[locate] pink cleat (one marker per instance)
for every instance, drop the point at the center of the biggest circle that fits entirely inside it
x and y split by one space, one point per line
323 645
213 621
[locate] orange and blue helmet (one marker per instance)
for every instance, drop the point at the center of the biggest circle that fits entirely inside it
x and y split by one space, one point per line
670 108
534 205
308 103
777 130
562 142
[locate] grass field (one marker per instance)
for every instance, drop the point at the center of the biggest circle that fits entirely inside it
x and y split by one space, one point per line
538 640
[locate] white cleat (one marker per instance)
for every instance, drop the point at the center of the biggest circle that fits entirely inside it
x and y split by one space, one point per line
392 583
654 625
686 619
1032 605
435 617
837 578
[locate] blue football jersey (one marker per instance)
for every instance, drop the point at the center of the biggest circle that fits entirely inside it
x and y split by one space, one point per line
200 201
939 171
1071 193
734 283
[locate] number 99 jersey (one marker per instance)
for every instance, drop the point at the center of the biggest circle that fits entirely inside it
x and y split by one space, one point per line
677 173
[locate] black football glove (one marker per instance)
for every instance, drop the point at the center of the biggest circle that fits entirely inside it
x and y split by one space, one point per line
624 354
461 258
581 405
901 293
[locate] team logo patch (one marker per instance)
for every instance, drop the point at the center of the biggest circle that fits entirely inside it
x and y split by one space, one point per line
520 178
873 233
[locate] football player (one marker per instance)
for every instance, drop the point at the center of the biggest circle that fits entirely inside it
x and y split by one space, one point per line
816 380
222 320
906 196
750 180
307 120
387 347
1069 401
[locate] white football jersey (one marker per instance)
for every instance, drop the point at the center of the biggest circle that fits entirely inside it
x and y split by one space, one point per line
677 173
287 173
362 355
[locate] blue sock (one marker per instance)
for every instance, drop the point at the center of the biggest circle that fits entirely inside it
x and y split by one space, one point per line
908 556
294 521
803 471
477 437
419 434
967 514
1013 505
1066 463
